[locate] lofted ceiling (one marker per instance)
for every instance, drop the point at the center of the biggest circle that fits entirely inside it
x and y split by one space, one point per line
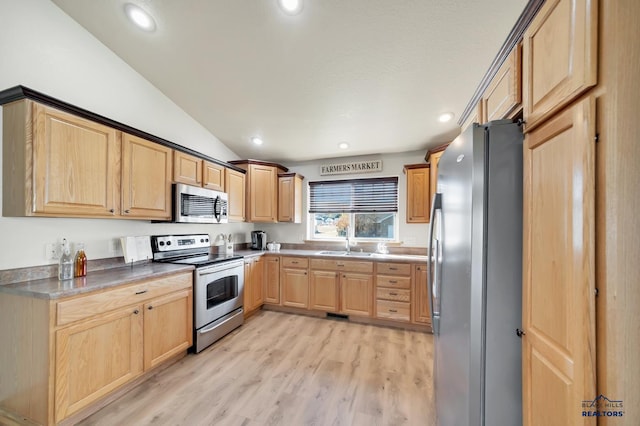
373 73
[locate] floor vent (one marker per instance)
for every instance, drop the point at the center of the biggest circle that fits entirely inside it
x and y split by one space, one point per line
337 316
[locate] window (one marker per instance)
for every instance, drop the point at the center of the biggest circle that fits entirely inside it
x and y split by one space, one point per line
364 208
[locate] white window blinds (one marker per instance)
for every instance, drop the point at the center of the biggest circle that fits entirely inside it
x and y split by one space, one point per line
354 196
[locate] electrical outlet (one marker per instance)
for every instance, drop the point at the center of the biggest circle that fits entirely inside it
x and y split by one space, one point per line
51 251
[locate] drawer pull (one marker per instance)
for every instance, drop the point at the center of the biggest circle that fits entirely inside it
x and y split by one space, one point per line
393 282
393 310
393 269
393 294
295 262
136 312
340 264
150 307
141 292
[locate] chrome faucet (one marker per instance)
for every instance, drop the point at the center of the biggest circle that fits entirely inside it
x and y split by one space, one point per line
347 246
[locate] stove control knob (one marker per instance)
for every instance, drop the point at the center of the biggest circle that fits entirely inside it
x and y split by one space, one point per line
206 240
168 243
202 240
161 243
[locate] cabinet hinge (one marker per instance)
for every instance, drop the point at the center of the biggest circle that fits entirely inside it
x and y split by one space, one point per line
597 138
596 291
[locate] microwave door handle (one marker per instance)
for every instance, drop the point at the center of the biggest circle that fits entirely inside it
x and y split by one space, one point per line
216 214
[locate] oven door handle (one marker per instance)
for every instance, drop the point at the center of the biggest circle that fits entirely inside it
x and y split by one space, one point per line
218 324
216 270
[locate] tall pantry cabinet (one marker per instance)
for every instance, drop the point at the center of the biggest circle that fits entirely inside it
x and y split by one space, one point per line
558 354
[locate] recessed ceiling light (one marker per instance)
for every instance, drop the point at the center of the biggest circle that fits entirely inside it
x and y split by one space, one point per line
343 145
256 140
447 116
139 17
290 7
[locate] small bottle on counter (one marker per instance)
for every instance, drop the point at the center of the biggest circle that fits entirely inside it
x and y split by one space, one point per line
81 262
65 265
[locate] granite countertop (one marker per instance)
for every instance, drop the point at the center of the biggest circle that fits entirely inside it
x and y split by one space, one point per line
52 288
355 255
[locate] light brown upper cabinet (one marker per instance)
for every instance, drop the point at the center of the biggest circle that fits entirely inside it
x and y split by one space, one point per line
290 197
146 178
559 57
433 158
234 186
187 168
418 192
57 164
213 176
195 171
503 96
261 189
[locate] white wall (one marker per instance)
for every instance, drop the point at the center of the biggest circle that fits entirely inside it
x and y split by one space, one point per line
44 49
411 234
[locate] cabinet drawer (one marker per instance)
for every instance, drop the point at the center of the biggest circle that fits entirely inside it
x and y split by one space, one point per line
342 265
399 295
399 311
295 262
394 282
394 268
79 308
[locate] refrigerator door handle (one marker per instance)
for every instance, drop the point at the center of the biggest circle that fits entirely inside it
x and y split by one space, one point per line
431 258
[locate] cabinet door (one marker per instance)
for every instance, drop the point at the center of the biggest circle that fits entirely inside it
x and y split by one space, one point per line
559 57
146 179
290 198
187 169
95 357
356 294
263 193
168 327
247 298
213 176
558 305
433 170
75 165
503 96
272 280
420 308
295 287
418 194
323 286
257 283
235 187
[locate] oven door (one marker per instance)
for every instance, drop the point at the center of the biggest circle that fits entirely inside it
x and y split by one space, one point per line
218 290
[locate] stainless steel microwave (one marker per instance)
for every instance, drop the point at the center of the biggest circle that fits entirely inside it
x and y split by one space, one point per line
192 204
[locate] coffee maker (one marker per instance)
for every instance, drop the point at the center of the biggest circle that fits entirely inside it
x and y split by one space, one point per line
258 240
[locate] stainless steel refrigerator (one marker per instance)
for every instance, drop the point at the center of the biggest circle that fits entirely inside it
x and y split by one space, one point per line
475 277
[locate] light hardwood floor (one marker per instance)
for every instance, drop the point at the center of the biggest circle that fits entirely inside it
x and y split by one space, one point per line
283 369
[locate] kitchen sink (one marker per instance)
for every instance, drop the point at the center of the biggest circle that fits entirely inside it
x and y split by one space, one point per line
344 253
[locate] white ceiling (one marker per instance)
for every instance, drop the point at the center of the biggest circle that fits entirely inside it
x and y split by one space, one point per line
373 73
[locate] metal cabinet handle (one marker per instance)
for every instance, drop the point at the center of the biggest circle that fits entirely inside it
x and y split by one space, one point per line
393 282
136 312
393 294
150 307
141 292
126 211
295 262
520 332
111 211
393 310
393 269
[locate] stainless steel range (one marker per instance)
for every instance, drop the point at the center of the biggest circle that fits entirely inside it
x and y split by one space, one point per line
218 284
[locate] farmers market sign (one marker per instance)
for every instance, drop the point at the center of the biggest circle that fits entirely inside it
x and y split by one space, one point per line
355 167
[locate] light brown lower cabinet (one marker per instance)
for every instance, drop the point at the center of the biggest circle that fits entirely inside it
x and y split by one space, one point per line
421 314
324 290
253 283
356 294
294 281
272 280
63 355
